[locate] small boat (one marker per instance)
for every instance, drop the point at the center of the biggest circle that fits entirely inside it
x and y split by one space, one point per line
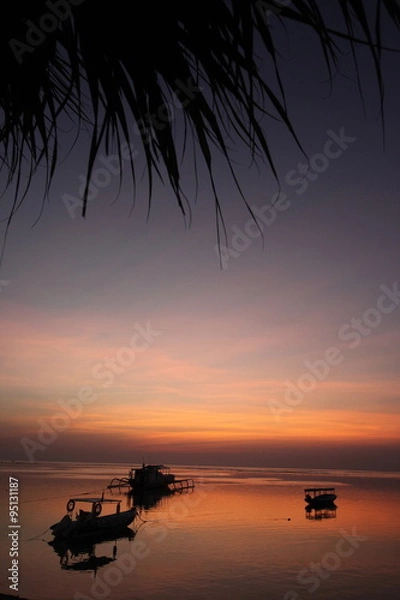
89 523
319 496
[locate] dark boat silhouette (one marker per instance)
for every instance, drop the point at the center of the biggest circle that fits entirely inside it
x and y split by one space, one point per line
319 496
152 477
89 524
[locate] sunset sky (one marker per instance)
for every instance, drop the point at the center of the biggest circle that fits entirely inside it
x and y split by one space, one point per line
131 340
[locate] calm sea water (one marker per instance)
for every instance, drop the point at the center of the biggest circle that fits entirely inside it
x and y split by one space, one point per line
242 533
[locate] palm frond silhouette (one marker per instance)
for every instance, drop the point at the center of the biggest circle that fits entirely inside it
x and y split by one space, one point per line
117 68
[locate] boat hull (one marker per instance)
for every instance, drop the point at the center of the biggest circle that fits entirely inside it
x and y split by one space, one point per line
149 485
92 526
319 500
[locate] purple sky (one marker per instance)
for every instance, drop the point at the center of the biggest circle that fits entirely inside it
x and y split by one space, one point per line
157 351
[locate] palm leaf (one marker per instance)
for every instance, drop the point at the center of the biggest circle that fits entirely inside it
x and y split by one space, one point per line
109 67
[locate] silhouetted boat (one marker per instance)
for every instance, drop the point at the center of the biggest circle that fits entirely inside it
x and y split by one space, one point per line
319 496
89 523
152 477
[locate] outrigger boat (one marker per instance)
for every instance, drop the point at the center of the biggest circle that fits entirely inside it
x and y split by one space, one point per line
152 477
319 496
88 524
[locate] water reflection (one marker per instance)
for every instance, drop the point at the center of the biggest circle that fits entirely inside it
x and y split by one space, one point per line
81 555
221 541
149 499
146 500
327 511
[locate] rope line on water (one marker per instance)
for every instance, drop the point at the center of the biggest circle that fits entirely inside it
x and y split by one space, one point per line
56 497
37 536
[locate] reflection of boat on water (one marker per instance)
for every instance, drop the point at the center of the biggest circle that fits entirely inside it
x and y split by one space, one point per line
89 524
91 563
80 555
152 477
328 511
319 496
147 499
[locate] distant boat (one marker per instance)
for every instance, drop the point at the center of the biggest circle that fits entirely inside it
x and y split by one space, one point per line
319 496
152 477
89 524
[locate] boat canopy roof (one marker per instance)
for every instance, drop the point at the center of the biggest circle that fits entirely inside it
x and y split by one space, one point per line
327 489
91 500
151 468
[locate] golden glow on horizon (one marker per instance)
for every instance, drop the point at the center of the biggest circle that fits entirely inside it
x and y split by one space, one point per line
186 391
203 425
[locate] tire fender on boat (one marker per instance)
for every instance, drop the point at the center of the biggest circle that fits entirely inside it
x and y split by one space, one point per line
97 508
70 505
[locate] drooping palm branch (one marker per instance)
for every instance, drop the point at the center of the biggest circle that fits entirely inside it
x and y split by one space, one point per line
110 67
